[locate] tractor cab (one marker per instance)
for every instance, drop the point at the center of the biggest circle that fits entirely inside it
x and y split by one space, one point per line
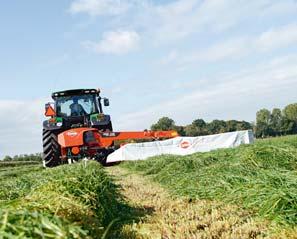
77 108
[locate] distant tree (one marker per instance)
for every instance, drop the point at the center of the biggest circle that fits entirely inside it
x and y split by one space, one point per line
287 126
290 112
7 158
164 123
244 125
24 157
276 121
231 125
199 123
263 116
191 130
235 125
16 157
216 126
262 123
198 127
290 115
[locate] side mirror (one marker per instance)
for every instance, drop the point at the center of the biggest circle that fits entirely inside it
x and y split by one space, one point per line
49 110
106 102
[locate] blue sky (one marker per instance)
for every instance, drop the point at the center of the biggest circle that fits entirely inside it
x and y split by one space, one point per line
186 59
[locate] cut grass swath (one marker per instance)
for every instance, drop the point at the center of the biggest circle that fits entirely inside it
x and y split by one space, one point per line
261 177
71 201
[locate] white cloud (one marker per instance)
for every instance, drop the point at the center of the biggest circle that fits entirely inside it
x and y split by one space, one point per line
234 96
277 37
182 18
176 20
21 128
279 8
171 57
238 47
99 7
232 48
115 42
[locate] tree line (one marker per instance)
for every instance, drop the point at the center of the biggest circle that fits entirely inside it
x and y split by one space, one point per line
268 124
24 157
199 127
276 122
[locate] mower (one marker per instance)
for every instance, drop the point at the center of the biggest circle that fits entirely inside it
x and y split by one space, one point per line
78 129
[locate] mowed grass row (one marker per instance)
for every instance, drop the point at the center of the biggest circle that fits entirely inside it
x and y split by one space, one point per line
71 201
261 178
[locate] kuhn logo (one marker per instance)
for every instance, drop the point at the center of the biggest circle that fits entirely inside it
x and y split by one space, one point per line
72 133
185 144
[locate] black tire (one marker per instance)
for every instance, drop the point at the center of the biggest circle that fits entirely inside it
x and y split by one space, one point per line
51 149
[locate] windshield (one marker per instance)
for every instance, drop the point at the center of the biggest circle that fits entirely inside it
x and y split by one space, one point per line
76 105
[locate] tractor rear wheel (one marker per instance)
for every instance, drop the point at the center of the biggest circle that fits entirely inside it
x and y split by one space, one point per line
51 149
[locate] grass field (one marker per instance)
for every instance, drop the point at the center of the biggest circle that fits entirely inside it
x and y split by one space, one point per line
179 218
259 178
246 192
71 201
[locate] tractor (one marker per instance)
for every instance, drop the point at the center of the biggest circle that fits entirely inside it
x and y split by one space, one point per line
77 129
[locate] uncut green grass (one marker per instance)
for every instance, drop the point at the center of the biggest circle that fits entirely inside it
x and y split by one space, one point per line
261 177
5 164
71 201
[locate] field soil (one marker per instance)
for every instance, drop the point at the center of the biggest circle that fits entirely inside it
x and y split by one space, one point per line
169 217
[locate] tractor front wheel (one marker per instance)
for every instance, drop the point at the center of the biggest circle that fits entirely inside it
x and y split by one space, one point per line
51 149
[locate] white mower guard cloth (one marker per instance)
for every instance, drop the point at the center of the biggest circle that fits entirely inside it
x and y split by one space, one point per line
181 146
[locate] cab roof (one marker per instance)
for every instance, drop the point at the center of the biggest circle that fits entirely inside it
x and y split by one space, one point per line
58 94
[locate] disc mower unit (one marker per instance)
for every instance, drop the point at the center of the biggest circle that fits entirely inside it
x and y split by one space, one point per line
78 128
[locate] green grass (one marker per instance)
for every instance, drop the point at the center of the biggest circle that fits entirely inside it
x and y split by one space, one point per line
4 164
261 178
82 201
9 172
71 201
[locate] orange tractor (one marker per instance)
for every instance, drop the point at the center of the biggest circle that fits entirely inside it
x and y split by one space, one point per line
78 128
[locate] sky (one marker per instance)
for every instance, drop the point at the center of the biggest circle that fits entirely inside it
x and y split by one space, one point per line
185 59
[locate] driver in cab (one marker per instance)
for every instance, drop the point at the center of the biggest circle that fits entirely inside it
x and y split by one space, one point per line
76 108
